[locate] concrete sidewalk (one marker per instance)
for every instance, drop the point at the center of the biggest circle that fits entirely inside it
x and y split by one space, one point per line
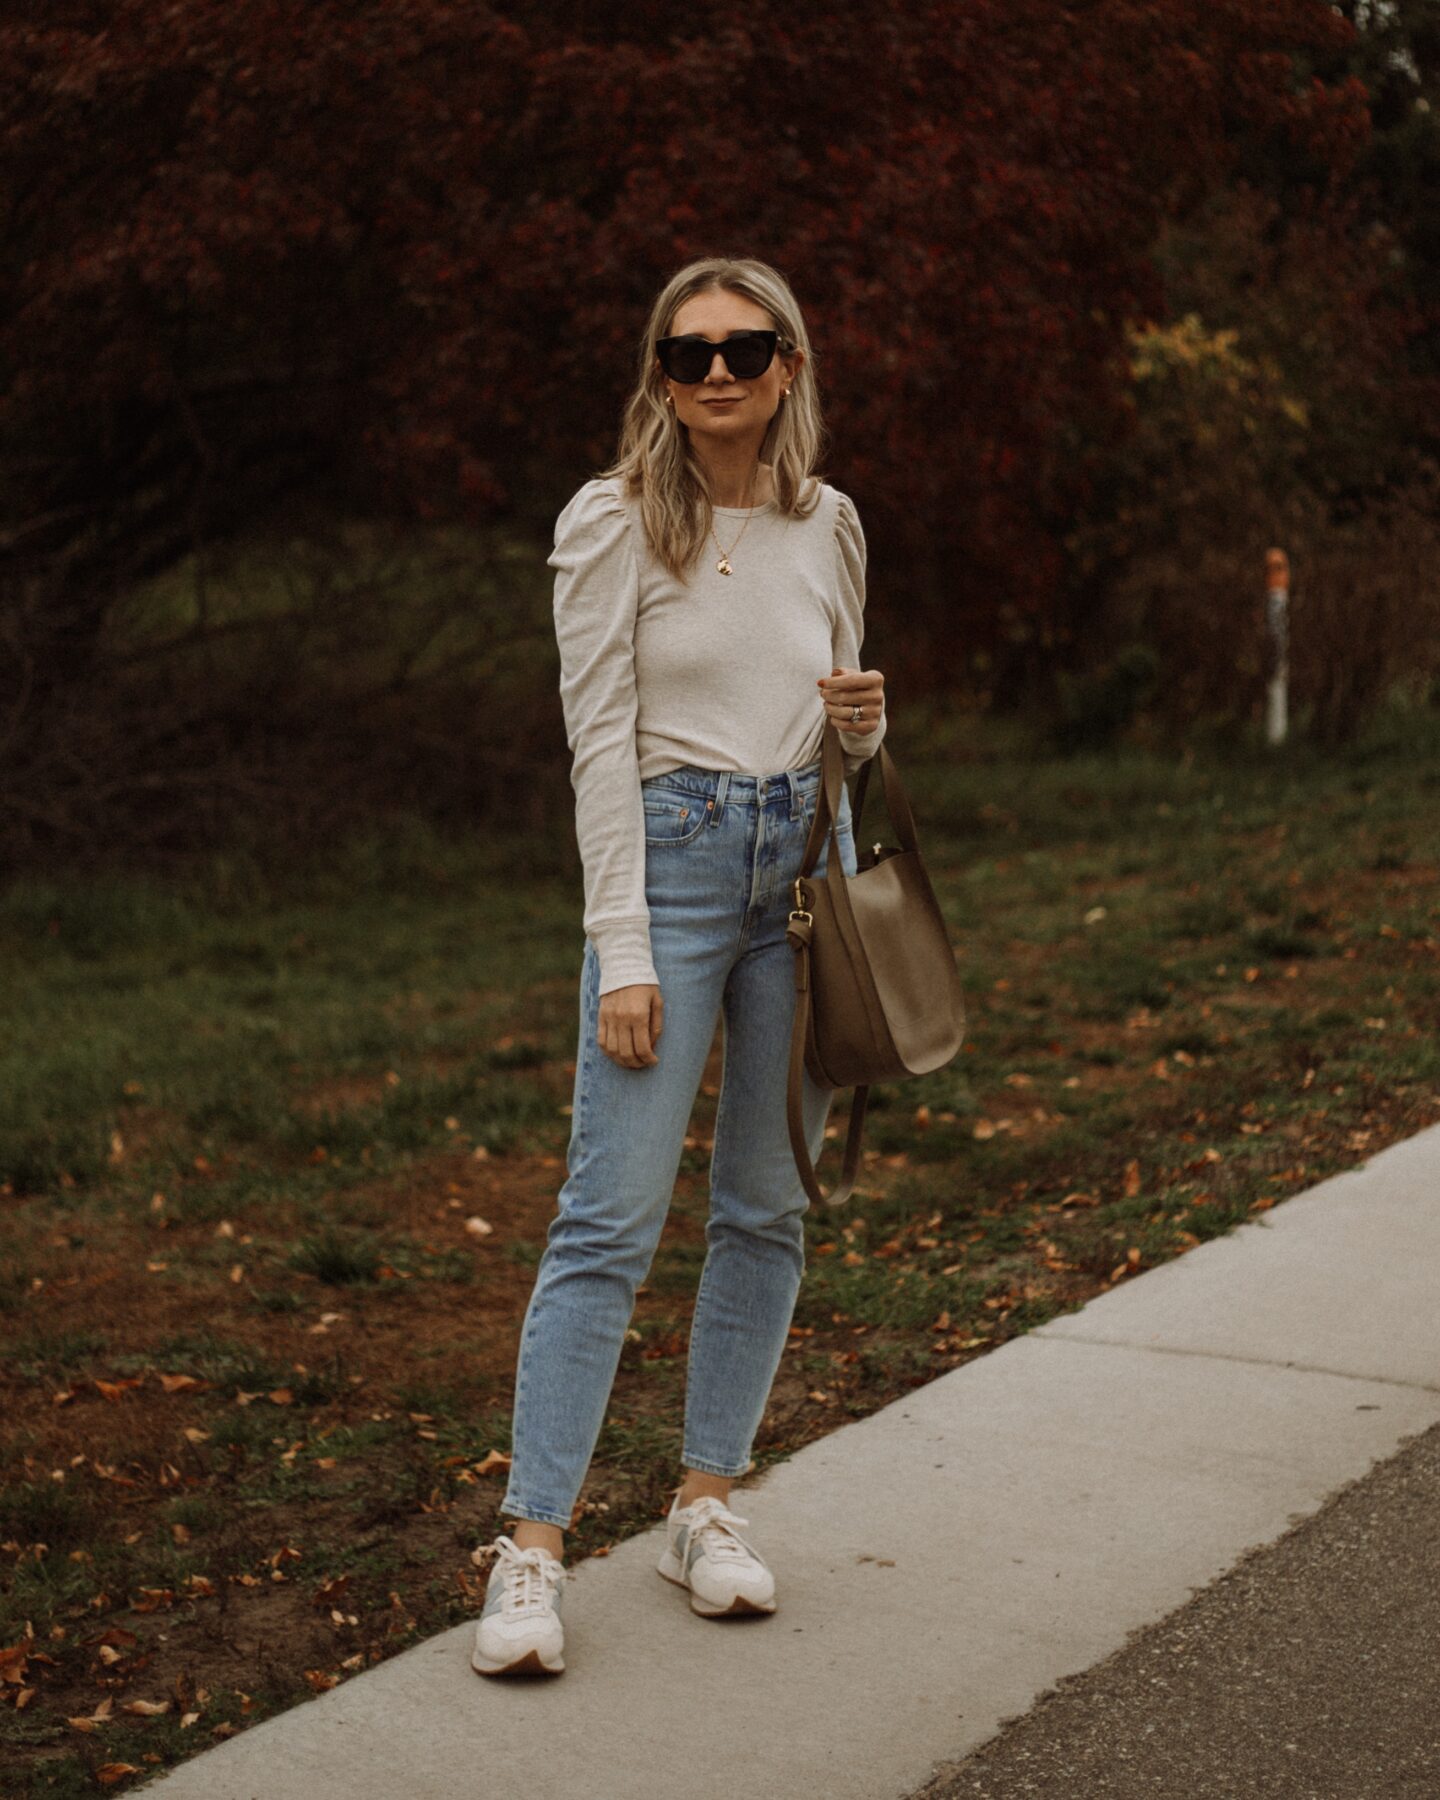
946 1560
1309 1671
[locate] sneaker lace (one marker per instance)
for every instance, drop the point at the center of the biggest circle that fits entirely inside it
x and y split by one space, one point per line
714 1524
528 1576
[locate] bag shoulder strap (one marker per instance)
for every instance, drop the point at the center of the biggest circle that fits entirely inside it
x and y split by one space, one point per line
832 780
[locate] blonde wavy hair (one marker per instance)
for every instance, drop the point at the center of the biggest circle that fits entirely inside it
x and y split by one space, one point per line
654 457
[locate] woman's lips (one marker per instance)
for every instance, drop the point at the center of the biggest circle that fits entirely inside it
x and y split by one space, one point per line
734 400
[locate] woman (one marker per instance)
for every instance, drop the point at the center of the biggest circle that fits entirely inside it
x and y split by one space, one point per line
709 594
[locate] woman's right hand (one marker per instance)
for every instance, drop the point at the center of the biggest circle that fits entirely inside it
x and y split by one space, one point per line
631 1019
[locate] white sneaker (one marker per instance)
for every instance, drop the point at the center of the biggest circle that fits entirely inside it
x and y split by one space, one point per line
705 1553
519 1629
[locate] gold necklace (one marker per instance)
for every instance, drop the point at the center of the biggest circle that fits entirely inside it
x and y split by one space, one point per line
724 563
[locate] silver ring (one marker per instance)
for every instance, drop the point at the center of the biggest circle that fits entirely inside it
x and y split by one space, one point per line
856 714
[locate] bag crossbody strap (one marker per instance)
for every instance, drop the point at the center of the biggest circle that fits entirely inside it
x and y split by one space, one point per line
798 932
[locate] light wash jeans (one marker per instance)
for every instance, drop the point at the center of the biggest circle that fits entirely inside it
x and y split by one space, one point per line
722 851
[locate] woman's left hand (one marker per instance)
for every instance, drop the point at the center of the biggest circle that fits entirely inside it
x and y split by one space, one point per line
843 689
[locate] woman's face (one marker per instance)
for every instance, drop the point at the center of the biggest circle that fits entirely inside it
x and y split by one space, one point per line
715 316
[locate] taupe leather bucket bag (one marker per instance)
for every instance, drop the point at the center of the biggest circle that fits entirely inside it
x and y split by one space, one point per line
877 992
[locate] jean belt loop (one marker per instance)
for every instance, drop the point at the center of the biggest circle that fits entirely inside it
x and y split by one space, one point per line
797 807
721 789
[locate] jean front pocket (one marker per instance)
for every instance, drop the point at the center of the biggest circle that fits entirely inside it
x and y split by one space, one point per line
672 818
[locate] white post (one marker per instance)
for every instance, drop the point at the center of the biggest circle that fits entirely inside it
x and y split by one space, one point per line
1277 625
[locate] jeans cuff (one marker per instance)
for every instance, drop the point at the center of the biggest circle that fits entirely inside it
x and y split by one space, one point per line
705 1467
536 1515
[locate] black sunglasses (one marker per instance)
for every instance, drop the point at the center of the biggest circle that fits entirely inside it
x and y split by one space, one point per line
747 354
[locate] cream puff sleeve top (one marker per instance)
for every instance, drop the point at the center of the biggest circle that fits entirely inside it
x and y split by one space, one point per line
720 674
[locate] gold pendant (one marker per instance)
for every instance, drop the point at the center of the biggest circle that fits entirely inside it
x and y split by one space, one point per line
724 566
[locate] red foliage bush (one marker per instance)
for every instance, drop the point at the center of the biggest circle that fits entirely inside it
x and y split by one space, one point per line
394 258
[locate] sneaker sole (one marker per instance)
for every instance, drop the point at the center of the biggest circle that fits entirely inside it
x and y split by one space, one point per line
531 1663
669 1567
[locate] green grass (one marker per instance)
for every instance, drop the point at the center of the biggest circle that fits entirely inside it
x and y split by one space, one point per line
199 1012
199 1019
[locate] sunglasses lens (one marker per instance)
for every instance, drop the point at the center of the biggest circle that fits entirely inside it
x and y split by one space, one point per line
747 357
689 361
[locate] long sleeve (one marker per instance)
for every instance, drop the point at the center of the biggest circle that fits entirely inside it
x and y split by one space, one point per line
849 631
596 596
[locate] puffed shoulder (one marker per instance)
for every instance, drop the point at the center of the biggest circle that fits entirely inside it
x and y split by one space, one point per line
594 522
849 539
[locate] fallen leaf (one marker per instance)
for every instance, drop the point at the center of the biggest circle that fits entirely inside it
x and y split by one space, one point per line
116 1390
155 1600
